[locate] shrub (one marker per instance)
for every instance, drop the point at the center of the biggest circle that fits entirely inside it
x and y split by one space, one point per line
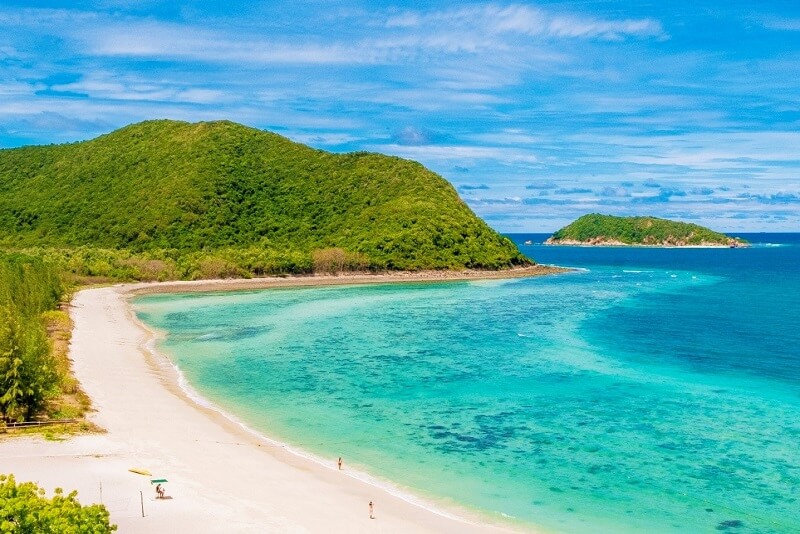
24 508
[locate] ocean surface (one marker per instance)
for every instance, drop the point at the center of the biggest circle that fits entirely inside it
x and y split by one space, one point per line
651 390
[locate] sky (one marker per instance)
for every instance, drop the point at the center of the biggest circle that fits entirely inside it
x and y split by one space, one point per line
537 112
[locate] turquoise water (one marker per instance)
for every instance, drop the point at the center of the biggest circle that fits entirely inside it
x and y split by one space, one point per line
655 390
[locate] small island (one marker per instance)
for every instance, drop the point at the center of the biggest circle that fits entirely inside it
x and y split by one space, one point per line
608 230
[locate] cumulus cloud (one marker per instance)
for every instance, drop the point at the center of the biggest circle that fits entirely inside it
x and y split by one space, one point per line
549 184
775 198
573 191
705 191
470 187
57 122
663 196
412 136
559 103
534 201
498 201
614 192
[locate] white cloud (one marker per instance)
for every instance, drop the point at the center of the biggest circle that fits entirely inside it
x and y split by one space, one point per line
459 153
406 20
9 52
160 40
201 96
511 137
781 23
472 30
17 88
326 138
585 96
104 85
531 21
537 22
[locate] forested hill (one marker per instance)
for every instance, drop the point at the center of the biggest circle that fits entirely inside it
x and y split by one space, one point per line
168 185
596 229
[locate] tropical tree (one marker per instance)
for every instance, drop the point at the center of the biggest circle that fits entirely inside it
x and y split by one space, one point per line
24 508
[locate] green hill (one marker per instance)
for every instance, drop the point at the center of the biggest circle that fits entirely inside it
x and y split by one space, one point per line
168 189
596 229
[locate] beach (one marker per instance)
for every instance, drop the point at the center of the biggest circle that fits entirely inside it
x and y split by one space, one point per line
221 477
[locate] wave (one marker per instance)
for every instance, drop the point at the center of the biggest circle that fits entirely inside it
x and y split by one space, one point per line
771 245
577 269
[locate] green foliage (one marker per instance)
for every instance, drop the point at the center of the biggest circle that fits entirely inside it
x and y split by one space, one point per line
220 199
336 260
30 284
24 508
640 231
28 374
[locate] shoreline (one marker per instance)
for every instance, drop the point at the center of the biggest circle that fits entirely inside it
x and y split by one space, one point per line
179 380
312 280
223 476
620 244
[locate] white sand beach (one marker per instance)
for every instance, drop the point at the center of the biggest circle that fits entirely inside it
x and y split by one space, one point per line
222 478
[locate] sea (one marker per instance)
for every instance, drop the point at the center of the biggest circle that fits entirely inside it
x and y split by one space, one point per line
647 390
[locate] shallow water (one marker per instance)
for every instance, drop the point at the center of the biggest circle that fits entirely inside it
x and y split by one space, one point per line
657 390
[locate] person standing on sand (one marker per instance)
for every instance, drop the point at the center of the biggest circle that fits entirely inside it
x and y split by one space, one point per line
340 463
371 509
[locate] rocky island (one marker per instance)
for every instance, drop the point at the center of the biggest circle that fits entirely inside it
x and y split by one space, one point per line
608 230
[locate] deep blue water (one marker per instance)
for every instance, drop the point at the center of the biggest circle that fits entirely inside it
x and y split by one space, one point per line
754 309
652 390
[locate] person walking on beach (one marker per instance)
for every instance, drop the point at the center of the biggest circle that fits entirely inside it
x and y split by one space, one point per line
340 463
371 510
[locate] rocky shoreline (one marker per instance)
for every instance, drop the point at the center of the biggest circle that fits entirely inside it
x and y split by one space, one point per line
601 241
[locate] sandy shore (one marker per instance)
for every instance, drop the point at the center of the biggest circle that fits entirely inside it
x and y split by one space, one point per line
222 478
343 279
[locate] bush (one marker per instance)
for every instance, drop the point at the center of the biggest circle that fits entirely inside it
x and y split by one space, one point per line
28 373
336 260
25 508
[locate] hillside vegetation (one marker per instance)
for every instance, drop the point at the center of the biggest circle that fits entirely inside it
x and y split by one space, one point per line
31 373
181 200
596 229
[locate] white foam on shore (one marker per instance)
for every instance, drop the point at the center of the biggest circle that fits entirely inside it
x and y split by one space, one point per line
577 269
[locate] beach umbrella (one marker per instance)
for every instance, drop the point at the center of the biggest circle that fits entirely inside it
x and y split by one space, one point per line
140 471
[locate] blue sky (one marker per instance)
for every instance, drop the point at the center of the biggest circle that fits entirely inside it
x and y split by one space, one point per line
536 112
